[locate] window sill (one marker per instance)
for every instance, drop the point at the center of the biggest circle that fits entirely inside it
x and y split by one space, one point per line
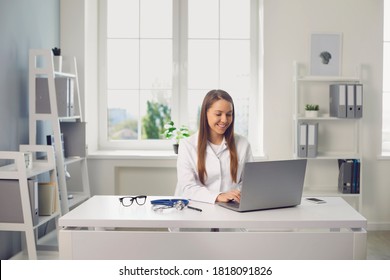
384 156
142 155
133 154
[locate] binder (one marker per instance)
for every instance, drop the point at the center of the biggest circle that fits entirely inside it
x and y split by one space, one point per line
50 142
312 140
358 100
345 176
33 189
350 101
349 176
71 109
302 140
356 176
47 198
338 100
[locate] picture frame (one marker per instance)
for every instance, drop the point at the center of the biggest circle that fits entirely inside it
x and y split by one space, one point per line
325 54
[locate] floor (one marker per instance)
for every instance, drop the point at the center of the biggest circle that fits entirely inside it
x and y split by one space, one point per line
378 247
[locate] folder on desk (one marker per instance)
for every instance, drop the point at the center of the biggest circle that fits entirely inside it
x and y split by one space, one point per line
350 101
358 100
312 140
302 140
338 100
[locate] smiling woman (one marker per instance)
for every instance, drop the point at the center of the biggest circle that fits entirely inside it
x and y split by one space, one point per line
210 163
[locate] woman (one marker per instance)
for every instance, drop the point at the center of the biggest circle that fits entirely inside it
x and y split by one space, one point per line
210 162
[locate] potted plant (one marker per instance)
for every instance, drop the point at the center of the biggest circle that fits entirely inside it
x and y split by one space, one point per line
174 133
57 59
311 110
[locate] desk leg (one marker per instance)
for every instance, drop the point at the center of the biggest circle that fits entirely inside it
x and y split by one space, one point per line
360 244
65 245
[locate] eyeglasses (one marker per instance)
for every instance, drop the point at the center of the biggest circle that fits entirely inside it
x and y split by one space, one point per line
128 200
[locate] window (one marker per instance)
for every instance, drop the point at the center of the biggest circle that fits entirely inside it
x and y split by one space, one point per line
386 80
159 58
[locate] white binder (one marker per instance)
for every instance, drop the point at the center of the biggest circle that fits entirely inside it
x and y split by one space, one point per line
302 140
350 101
358 101
338 100
33 189
312 140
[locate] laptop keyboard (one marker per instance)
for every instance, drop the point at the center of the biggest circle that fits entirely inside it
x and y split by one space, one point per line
233 204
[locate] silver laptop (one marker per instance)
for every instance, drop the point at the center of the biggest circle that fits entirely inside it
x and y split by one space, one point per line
270 184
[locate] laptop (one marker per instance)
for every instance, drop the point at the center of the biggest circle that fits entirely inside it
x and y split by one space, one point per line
270 184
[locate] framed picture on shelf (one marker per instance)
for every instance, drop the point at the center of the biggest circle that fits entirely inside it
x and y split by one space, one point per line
325 54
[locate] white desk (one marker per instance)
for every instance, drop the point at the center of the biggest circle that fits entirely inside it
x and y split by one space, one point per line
101 228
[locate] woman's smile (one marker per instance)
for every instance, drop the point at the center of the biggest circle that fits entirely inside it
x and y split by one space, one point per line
219 117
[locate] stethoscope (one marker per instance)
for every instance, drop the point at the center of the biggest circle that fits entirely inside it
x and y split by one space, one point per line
179 204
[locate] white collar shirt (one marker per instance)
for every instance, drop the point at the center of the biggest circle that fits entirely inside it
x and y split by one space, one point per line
218 179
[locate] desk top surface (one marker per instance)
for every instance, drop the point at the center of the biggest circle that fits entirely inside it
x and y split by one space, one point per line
107 211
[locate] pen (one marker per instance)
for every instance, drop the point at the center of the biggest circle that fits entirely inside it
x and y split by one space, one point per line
194 208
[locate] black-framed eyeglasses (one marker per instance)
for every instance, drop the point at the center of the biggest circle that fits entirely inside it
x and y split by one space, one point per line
128 200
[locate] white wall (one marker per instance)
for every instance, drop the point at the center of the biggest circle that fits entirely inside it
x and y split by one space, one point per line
79 39
287 28
288 25
24 25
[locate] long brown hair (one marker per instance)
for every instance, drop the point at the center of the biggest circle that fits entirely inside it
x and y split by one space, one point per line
204 131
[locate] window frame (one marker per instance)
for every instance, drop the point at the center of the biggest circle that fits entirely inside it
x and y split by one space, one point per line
385 145
179 81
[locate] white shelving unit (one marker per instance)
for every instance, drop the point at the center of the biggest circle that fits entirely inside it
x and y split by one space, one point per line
43 162
338 138
68 129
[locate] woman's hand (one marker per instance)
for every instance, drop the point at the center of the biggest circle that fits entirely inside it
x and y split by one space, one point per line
228 196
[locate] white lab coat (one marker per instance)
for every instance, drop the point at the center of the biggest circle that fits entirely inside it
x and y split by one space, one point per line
218 178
